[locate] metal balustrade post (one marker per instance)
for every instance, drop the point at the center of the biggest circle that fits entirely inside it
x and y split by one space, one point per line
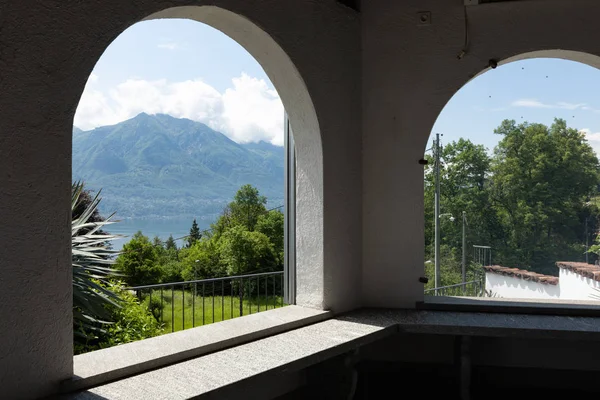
194 306
241 298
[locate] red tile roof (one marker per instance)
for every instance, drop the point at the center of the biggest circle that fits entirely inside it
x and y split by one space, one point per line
588 270
522 274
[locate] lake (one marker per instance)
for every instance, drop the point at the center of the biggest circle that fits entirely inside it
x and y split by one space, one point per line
178 227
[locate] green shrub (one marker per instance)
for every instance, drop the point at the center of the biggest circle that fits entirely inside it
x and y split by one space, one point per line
155 307
131 321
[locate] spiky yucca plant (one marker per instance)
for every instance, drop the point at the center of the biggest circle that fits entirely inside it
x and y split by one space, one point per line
92 260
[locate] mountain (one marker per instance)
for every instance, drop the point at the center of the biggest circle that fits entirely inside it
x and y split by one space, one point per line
161 166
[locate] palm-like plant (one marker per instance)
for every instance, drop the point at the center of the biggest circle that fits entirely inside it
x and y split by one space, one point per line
92 259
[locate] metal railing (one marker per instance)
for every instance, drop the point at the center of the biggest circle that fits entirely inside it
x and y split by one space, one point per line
183 305
473 288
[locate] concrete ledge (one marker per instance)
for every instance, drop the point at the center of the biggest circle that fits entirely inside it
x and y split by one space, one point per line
574 308
97 367
485 324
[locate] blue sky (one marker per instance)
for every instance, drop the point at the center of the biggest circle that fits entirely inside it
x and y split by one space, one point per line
536 90
188 69
176 50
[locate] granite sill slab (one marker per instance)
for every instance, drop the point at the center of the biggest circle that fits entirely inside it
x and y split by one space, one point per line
227 371
97 367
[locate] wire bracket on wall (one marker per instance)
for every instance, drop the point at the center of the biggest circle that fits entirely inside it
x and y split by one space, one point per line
466 43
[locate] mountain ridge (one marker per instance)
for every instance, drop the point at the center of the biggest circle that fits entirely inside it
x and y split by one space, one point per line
160 166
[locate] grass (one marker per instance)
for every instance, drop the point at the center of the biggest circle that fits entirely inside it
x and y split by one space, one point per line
181 310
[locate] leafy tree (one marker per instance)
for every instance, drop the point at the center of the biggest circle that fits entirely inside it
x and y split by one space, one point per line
202 261
244 252
167 257
157 242
246 207
271 224
170 243
194 234
171 271
139 261
542 179
464 186
530 201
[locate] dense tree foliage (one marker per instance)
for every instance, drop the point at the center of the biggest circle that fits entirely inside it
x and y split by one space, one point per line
246 238
542 179
245 209
271 225
530 199
138 261
243 251
202 261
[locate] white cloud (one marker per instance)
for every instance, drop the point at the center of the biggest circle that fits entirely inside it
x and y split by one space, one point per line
593 139
533 103
252 111
170 46
529 103
570 106
249 111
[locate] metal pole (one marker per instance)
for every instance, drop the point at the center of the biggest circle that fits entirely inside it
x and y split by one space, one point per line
436 214
586 240
195 283
464 249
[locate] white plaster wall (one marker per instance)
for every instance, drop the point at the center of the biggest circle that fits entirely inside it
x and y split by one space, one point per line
410 72
311 51
517 288
574 286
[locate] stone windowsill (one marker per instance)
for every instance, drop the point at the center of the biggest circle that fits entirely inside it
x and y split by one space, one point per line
277 360
574 308
97 367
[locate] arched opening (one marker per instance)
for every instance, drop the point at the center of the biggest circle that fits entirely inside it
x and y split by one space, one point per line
308 159
511 186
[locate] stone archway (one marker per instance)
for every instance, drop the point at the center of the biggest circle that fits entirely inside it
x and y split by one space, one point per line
303 118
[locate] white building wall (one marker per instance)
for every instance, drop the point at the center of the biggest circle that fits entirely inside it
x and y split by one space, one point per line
574 286
517 288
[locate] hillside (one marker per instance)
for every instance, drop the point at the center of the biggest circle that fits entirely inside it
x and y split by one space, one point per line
161 166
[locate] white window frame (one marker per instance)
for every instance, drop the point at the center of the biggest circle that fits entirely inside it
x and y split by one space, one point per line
289 224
